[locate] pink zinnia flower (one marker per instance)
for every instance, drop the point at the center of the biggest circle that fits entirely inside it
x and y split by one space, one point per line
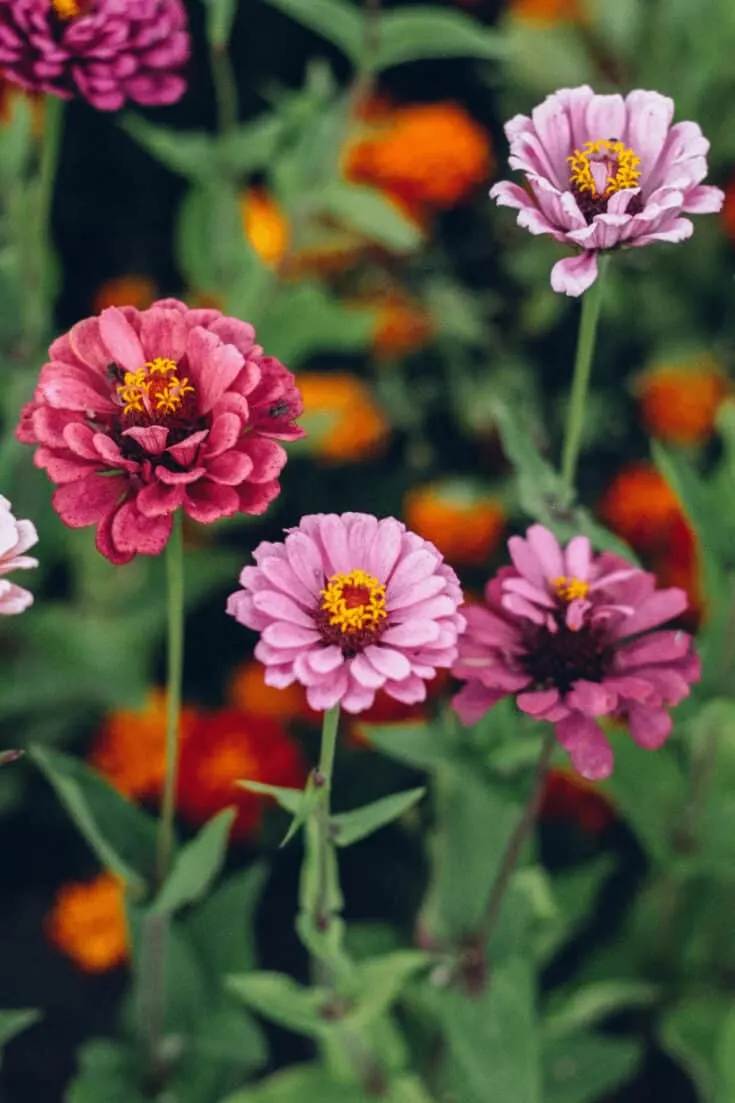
107 51
603 172
16 537
139 413
568 632
348 605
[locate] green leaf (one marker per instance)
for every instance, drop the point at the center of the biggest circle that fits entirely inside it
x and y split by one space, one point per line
587 1005
225 1046
421 745
380 981
371 214
492 1039
306 1083
282 1000
692 1032
419 33
587 1067
189 153
196 865
299 802
221 927
319 923
337 21
306 320
107 1070
15 1022
575 892
649 790
122 835
350 827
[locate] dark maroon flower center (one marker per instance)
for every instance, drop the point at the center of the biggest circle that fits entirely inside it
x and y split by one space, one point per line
558 659
352 614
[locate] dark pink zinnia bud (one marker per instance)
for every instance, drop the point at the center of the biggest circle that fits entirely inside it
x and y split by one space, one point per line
140 413
107 51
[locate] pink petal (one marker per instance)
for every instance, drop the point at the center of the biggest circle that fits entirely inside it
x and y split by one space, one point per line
224 434
649 727
326 659
649 119
268 458
157 499
206 501
605 117
587 746
163 334
328 693
14 599
591 698
88 500
279 606
661 606
573 275
412 634
282 634
388 662
86 343
213 366
474 700
411 690
121 340
139 535
703 200
151 437
230 469
365 673
537 703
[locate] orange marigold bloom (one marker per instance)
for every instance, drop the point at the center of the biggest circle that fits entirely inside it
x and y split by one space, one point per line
249 693
640 506
429 155
87 921
402 327
728 210
547 11
464 525
130 748
265 225
138 291
341 417
229 746
679 402
677 564
568 797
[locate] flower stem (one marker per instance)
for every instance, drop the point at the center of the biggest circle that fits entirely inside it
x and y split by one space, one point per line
39 282
175 671
517 839
225 87
591 303
325 770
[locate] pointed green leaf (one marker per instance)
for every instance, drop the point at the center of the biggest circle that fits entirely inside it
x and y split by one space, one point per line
380 981
588 1067
107 1070
371 214
419 33
299 802
221 927
336 20
189 153
421 745
305 320
691 1032
15 1022
281 999
120 833
349 827
648 790
585 1006
196 865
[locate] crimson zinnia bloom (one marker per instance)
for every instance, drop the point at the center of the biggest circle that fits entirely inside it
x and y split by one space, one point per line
604 172
107 51
138 413
568 632
348 605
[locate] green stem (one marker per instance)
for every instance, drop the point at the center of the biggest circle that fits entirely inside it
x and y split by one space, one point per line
38 286
175 599
591 303
50 150
325 770
225 87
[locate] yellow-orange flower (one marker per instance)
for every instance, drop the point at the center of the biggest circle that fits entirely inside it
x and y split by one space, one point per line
87 921
547 11
342 419
265 225
402 325
249 693
130 748
426 155
640 506
465 526
138 291
679 402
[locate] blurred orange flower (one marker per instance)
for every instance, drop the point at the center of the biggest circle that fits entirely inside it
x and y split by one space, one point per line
678 565
547 11
679 402
403 326
87 921
130 748
426 155
265 225
341 416
228 746
640 506
568 797
138 291
249 693
466 527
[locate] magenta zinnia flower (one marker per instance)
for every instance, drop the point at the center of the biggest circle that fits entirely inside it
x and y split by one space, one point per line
348 605
139 413
604 172
568 632
16 537
107 51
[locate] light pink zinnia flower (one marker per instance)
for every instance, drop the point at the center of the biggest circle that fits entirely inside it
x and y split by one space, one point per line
348 605
603 172
107 51
16 537
139 413
568 632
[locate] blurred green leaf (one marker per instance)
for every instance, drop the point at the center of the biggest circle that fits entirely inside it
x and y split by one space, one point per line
575 892
196 865
649 789
692 1032
190 153
108 1071
15 1022
422 32
350 827
585 1006
337 21
305 320
120 833
292 800
417 744
225 1046
283 1001
380 981
586 1067
372 214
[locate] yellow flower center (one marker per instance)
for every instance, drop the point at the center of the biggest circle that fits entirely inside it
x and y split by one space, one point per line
354 601
66 9
155 389
569 589
603 167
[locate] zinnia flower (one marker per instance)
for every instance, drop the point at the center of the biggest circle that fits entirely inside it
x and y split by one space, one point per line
640 506
132 290
679 402
343 419
228 746
547 12
465 525
87 921
139 413
348 605
16 537
107 51
248 692
569 633
603 172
